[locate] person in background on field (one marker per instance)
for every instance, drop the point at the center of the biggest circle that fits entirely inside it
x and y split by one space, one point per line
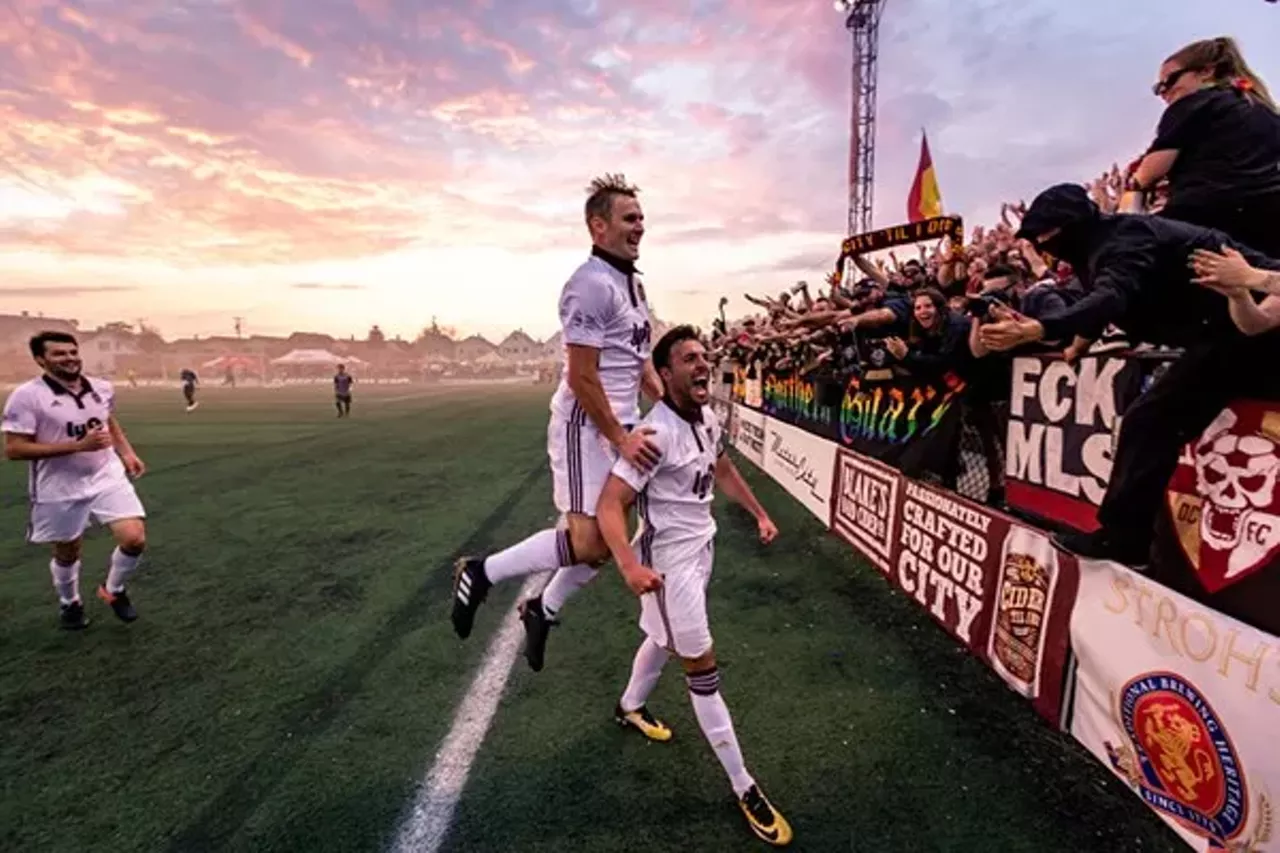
342 391
189 380
63 424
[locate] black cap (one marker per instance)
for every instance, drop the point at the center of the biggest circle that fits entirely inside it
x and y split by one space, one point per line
1056 207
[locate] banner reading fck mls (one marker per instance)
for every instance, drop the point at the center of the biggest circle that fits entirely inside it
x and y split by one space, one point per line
1182 703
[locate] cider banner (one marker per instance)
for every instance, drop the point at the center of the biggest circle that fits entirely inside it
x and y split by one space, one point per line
997 586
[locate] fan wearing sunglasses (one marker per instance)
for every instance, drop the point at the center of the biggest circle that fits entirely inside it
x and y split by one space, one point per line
1218 144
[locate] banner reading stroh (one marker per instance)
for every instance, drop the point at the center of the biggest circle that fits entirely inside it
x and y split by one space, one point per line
1181 702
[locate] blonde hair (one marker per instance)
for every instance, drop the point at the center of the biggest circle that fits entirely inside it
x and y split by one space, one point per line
601 193
1222 57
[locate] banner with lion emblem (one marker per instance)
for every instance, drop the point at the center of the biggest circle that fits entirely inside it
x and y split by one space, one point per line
1182 703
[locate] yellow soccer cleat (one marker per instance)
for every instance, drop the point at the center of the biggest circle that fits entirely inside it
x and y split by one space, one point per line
644 722
765 821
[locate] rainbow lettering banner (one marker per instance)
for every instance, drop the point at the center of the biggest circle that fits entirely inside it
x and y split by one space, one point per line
909 423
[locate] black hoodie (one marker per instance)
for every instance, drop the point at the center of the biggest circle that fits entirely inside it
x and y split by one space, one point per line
1135 269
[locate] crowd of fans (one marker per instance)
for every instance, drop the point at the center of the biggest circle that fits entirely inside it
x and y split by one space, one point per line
920 311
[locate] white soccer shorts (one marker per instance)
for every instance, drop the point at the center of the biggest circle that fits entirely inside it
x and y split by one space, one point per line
675 617
66 521
581 459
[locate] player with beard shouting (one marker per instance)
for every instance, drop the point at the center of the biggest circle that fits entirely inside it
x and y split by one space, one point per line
676 544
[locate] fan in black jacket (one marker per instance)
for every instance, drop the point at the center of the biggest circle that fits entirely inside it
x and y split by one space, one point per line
1136 271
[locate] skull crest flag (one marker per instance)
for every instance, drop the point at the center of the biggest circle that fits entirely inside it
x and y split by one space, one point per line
1223 497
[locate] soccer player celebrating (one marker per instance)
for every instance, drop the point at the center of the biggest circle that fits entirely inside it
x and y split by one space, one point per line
342 391
63 424
671 572
607 333
189 380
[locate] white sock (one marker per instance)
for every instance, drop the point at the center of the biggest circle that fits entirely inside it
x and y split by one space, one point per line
645 669
717 726
546 549
565 585
66 580
122 565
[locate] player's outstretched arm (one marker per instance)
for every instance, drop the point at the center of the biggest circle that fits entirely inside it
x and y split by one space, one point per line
729 481
611 515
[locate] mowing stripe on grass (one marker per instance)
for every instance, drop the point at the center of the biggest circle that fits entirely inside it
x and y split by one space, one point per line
311 716
428 824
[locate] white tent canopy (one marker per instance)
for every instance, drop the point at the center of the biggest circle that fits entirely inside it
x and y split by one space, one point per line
314 358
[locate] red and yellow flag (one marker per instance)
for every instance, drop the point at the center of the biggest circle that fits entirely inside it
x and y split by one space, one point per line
925 200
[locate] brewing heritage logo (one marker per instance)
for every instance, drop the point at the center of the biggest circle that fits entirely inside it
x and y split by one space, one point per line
1181 761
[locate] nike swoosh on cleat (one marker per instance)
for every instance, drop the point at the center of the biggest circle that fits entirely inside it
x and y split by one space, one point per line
767 834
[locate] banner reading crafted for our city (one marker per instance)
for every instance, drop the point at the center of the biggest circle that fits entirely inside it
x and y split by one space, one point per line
1182 703
997 586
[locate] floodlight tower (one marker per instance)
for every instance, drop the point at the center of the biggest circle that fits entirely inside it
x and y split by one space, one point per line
862 20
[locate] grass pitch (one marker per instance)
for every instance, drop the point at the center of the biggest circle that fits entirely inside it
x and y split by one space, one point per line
293 669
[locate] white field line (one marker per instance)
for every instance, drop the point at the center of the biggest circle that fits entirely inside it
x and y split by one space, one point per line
427 825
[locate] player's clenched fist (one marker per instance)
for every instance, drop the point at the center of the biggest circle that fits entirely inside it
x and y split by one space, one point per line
642 579
768 530
96 439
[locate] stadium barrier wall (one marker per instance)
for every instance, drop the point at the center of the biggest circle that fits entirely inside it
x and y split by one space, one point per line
1175 698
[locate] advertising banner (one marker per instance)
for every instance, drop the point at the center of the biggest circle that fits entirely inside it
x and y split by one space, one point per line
1181 703
746 431
802 463
998 587
865 509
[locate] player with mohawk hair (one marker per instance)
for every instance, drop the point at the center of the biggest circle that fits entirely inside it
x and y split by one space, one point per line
607 330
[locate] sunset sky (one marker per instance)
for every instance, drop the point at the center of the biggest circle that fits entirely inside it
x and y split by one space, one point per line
325 165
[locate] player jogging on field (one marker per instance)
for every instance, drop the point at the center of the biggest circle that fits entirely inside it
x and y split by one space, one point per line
607 333
63 423
676 543
189 380
342 391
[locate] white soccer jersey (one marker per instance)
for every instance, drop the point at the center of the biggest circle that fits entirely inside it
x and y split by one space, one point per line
53 415
674 497
604 307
